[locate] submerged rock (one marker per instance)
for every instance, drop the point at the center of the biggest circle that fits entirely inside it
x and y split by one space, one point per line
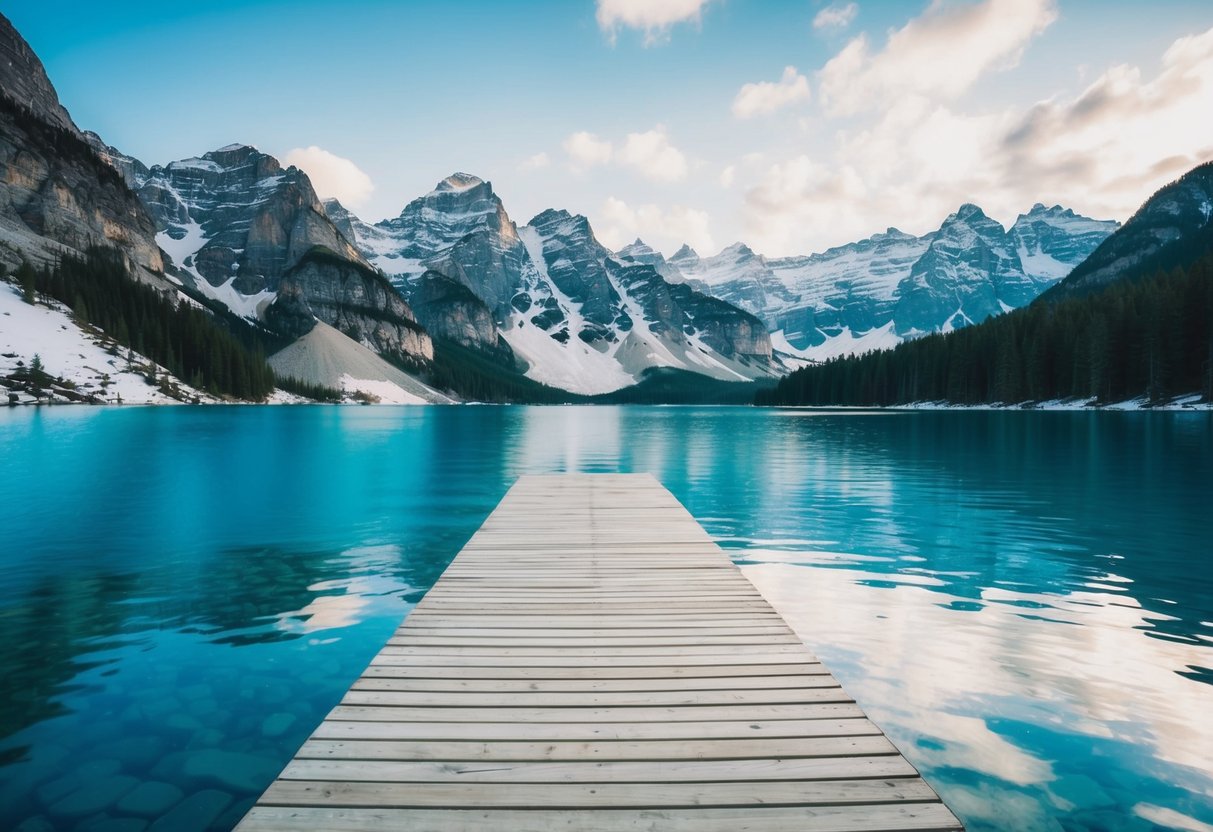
150 798
243 772
194 814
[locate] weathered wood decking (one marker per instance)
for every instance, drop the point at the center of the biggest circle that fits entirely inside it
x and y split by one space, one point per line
593 661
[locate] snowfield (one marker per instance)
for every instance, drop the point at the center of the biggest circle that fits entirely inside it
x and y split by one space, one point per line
83 357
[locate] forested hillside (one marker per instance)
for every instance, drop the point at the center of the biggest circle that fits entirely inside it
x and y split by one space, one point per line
1150 337
191 343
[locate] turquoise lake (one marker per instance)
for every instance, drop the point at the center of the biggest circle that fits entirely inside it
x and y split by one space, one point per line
1023 601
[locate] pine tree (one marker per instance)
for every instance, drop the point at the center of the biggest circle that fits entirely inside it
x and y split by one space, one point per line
27 278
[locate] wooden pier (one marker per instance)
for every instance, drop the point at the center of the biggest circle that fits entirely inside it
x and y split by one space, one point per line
591 660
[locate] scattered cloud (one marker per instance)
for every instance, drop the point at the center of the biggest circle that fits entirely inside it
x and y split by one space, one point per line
539 160
1122 136
332 176
652 154
586 150
664 229
727 176
765 97
939 54
1100 152
654 17
835 17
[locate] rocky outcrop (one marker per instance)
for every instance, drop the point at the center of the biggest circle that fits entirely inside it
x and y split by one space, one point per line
449 309
352 298
133 171
24 80
678 312
236 215
55 192
576 264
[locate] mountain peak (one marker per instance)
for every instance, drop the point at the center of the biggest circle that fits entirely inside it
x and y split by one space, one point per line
969 211
23 78
235 155
458 181
637 248
890 234
686 253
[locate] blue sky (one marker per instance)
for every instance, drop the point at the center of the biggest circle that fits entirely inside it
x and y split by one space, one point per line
791 125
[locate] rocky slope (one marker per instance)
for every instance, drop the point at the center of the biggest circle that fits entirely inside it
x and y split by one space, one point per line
548 296
55 192
873 293
1170 229
253 235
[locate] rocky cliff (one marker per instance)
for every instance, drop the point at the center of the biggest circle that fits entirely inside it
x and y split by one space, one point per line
251 234
54 189
352 298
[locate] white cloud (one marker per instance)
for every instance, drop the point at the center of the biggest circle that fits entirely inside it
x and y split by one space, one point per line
331 175
939 54
1100 152
539 160
765 97
652 154
1123 136
664 229
586 150
654 17
727 175
835 17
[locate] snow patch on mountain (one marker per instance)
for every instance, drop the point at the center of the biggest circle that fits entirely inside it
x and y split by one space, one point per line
85 357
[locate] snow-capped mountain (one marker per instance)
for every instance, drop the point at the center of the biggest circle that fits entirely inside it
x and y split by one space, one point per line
846 294
875 292
1170 229
969 272
245 231
549 297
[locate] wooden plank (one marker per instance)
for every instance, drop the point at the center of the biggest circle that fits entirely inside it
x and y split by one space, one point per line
924 817
593 661
843 721
596 685
839 756
406 671
452 795
693 713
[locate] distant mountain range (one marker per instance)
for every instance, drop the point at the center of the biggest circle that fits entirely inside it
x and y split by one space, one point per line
875 292
1133 322
546 301
549 294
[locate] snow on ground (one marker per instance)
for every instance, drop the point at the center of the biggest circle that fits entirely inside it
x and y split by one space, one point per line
385 391
246 306
1040 265
845 343
184 248
69 352
282 397
182 253
1188 402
